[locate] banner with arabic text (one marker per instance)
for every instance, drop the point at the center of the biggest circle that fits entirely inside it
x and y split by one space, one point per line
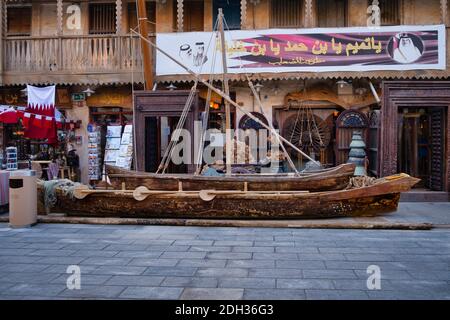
305 50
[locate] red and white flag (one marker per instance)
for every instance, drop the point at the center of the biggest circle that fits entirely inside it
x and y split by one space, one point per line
41 104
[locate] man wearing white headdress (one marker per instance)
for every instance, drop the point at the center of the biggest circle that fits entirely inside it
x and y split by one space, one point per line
406 51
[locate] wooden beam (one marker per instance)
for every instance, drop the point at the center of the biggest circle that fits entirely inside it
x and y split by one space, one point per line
145 48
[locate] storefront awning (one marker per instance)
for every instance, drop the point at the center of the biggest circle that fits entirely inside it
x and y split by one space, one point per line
381 75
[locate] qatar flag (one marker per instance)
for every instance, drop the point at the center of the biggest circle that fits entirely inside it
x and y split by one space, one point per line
41 103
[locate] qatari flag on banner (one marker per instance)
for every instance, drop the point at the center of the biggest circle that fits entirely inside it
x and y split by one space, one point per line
41 104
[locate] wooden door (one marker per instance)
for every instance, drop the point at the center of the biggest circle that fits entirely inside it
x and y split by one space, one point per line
437 144
373 142
152 156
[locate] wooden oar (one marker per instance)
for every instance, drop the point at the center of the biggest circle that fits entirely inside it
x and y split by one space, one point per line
82 191
208 195
141 193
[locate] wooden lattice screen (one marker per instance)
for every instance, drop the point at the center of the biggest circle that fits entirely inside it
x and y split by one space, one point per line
437 116
286 13
102 18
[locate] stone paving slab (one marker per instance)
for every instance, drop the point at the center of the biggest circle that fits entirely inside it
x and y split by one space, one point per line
163 262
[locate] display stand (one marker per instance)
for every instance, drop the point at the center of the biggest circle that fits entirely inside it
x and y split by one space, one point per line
94 138
112 147
11 158
125 157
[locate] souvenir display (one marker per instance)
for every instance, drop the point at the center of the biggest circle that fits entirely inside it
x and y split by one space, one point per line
11 158
112 147
125 157
93 153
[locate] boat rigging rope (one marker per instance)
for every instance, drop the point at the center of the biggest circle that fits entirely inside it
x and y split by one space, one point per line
177 132
261 108
181 122
226 97
207 107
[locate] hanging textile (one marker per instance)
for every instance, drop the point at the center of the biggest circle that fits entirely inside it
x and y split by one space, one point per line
39 115
9 115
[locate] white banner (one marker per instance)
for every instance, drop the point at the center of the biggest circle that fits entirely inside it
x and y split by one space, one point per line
306 50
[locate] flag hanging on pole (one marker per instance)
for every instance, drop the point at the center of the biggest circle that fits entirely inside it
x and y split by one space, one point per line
41 105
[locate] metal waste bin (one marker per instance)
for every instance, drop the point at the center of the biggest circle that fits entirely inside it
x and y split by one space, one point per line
22 198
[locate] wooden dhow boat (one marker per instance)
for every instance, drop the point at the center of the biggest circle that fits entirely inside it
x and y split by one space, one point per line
335 178
323 194
359 199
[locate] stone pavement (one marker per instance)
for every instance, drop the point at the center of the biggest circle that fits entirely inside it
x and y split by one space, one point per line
166 262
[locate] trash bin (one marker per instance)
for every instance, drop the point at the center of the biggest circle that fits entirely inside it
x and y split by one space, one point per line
22 198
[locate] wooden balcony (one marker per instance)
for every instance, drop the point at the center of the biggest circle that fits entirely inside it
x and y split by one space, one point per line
88 59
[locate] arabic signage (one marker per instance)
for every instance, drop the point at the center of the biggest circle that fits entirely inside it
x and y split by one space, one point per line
306 50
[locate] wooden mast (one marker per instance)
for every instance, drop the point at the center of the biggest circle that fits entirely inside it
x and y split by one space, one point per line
228 150
145 48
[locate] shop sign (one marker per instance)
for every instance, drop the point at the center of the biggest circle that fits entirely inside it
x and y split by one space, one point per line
306 50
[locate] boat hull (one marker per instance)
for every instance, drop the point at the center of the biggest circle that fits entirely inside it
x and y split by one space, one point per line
366 201
333 179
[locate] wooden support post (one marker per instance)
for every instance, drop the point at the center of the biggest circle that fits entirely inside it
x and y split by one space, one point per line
228 142
243 14
308 17
59 31
180 15
444 12
118 17
145 48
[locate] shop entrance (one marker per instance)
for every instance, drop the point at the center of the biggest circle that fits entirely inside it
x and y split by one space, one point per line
158 131
156 116
421 145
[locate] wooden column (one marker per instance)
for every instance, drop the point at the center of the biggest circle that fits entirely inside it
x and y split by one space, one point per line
180 15
145 47
444 9
308 16
59 17
243 14
118 17
59 31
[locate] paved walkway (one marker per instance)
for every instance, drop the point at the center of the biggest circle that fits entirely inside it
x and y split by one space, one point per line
163 262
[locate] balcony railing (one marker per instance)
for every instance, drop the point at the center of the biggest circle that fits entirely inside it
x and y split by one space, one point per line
72 54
